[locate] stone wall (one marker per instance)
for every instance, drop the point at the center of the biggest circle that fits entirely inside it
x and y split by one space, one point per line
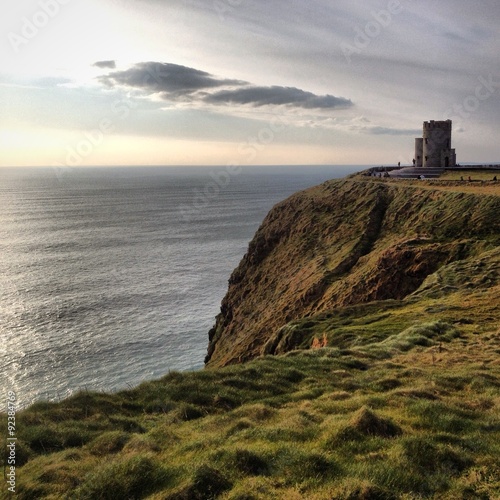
436 139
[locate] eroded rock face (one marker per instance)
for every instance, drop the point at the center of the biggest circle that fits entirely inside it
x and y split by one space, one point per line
343 243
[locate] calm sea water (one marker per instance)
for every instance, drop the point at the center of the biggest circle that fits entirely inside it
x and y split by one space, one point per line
113 276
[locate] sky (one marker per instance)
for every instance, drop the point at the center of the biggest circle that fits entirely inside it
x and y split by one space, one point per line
245 82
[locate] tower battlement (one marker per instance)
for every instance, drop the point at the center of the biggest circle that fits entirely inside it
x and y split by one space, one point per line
432 124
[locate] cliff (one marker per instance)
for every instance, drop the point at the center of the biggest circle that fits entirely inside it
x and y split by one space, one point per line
344 243
400 280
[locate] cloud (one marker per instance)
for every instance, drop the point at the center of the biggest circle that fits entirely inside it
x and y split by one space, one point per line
276 95
172 82
105 64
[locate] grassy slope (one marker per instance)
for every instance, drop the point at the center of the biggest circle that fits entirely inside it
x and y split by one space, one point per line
403 403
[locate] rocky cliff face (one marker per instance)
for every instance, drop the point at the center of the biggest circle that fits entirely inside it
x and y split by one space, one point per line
340 244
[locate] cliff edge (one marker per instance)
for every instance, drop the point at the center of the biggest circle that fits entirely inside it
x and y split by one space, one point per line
348 243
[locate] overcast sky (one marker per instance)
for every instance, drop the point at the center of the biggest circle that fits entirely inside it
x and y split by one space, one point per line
138 82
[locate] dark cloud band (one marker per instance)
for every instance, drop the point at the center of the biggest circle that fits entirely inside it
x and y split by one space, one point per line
177 83
275 95
388 131
166 78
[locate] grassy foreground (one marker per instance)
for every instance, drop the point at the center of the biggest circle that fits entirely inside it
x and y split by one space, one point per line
412 415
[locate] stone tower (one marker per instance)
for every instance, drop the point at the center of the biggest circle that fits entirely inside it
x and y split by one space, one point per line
434 150
419 152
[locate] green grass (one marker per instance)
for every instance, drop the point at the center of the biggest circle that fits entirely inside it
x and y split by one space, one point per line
374 419
482 175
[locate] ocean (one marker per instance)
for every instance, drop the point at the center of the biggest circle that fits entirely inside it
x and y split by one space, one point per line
113 276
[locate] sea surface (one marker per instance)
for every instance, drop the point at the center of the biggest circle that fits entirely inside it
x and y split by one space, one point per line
113 276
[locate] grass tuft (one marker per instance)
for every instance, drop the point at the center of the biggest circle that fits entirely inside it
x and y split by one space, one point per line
109 443
124 477
368 423
207 484
430 457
